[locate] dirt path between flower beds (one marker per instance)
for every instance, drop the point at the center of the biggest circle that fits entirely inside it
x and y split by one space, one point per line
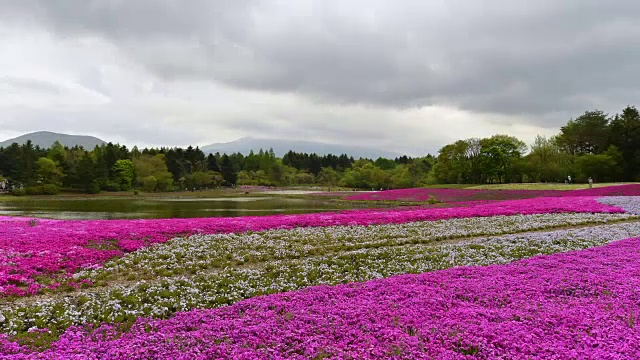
261 264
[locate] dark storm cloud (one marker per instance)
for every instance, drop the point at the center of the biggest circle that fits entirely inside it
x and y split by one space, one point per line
508 57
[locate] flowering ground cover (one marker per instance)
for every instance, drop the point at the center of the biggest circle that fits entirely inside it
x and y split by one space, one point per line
468 195
581 304
38 254
630 204
331 285
169 290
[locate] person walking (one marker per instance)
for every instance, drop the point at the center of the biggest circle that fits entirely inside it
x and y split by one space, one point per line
590 182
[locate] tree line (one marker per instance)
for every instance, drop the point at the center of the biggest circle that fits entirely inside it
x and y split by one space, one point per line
606 148
30 169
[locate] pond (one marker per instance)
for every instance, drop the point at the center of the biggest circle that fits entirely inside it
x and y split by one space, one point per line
127 208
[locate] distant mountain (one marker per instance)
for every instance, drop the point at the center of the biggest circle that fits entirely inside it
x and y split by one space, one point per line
281 147
45 139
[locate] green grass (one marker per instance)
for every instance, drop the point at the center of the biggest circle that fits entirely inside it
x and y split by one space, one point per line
448 186
541 186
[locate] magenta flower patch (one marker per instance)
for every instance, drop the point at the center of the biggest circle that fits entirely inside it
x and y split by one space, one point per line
33 249
470 195
577 305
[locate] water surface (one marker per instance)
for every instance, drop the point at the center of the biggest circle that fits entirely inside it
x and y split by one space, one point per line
97 208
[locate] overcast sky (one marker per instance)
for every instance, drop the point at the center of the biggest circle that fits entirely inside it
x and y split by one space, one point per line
408 75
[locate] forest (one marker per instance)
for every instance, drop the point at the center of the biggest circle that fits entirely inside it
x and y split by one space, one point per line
594 144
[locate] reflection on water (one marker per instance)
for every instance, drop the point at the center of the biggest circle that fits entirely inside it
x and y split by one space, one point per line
229 199
162 208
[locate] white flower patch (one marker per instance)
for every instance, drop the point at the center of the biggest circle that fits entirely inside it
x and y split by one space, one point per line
630 204
192 255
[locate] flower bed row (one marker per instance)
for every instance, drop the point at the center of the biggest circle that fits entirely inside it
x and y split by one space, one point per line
210 288
191 255
32 250
571 305
467 195
630 204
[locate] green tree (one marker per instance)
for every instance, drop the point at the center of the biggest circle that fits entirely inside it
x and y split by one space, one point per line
149 183
453 166
101 166
544 162
27 164
419 169
71 166
228 172
86 174
9 160
624 133
244 178
304 178
57 153
600 167
365 175
48 171
204 179
401 177
252 161
212 163
586 134
147 167
385 164
328 177
124 173
499 154
276 173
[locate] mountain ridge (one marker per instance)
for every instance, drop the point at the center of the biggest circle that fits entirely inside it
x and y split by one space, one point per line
45 139
244 145
280 147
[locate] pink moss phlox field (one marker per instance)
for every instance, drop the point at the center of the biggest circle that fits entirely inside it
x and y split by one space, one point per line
575 305
56 248
459 195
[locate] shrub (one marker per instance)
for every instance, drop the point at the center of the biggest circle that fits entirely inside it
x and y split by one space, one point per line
47 189
149 183
93 188
19 192
50 189
112 186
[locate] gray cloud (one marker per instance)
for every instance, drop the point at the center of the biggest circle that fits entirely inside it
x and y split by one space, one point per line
362 70
510 57
31 84
121 125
